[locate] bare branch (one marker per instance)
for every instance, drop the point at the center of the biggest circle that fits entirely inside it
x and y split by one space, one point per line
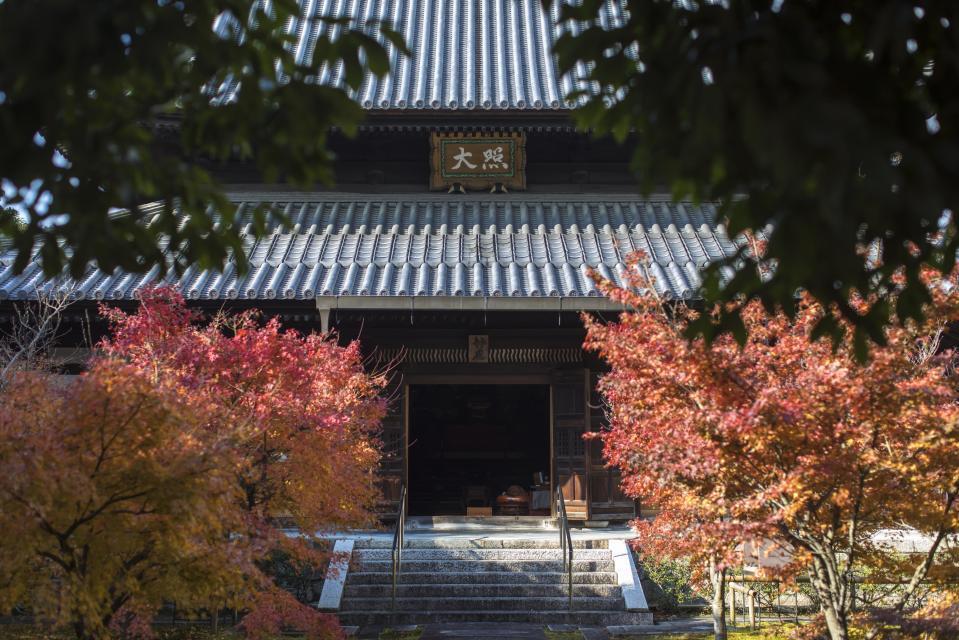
34 331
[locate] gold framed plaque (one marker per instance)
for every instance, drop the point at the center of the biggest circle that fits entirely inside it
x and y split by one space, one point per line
478 160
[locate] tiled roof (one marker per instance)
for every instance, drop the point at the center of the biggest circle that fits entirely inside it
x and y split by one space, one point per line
504 246
466 54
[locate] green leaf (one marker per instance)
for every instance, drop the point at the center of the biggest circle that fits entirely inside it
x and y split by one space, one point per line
96 78
772 113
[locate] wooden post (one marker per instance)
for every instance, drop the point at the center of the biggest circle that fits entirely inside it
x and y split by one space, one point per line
732 604
729 603
759 611
751 604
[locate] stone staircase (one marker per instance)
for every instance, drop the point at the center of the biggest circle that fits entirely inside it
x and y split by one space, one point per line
484 579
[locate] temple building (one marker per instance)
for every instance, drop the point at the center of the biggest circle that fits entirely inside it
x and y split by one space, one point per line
461 243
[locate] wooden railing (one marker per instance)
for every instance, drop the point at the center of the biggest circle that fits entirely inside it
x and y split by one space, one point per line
565 541
398 542
748 597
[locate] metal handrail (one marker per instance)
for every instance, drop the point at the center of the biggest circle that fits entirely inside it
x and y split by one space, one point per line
398 542
565 541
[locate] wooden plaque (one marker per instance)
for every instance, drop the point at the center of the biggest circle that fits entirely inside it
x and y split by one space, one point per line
478 350
478 160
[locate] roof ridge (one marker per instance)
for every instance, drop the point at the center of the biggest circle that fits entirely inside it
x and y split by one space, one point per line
291 196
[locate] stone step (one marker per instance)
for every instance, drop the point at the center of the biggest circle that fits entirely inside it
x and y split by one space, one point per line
484 523
483 604
577 616
472 590
451 542
465 566
421 555
478 577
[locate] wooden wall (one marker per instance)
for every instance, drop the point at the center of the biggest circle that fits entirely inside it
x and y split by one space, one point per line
591 490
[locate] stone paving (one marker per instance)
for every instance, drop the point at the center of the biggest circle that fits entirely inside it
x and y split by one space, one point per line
534 631
681 625
483 631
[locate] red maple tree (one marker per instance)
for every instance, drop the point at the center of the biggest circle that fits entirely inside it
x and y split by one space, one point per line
784 440
196 461
307 414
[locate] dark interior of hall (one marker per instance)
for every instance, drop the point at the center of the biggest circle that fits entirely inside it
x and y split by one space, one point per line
470 443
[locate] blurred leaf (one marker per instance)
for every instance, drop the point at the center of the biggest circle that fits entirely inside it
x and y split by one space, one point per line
770 110
81 94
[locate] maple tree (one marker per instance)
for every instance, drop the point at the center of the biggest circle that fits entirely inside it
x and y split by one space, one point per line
113 493
310 414
785 441
311 409
287 425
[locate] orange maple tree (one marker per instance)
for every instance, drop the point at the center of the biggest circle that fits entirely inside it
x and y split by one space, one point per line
114 494
785 440
287 425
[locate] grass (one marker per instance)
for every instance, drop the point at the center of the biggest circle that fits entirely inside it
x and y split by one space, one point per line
31 632
401 634
769 633
188 632
197 633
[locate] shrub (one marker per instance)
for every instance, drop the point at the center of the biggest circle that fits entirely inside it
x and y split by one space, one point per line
668 583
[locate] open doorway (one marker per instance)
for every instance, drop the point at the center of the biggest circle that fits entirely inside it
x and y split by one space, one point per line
468 443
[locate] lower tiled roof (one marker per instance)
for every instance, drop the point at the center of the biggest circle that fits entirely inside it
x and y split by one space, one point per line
498 246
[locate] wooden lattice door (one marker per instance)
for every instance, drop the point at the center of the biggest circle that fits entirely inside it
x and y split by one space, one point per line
606 497
568 393
391 473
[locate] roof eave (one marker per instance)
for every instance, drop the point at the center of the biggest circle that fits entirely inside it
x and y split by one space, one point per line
470 303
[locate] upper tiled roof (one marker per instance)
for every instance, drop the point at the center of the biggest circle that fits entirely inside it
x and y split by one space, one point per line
507 246
466 54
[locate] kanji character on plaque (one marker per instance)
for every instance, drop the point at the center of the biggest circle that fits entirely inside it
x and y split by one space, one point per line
493 159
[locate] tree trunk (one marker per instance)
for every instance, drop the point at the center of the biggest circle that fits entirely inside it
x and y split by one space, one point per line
84 631
836 624
717 577
835 607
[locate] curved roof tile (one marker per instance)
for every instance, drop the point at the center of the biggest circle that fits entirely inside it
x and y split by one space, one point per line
519 247
466 54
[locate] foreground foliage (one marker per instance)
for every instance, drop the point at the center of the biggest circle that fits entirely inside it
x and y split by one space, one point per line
168 471
85 87
113 490
786 442
835 122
